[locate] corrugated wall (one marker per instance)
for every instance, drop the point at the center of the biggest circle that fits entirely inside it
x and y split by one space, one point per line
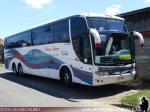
143 59
140 21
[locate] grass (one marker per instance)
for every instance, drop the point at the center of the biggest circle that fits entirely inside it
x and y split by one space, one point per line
1 65
134 99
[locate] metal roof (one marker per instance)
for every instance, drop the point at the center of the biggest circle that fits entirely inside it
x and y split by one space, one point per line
144 10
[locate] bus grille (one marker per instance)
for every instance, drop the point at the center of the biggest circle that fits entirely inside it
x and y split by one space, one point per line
113 61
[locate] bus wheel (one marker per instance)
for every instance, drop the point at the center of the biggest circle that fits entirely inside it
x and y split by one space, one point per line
14 69
20 70
67 78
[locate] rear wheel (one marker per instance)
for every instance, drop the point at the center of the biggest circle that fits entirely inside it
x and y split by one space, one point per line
14 69
20 70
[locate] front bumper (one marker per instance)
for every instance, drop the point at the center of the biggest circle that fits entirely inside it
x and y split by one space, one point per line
104 80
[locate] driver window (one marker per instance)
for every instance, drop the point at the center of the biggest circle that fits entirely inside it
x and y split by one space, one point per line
80 39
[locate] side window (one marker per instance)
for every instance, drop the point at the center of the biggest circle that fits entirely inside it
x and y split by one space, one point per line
27 38
61 31
23 39
38 36
19 40
48 34
11 41
57 32
81 40
78 26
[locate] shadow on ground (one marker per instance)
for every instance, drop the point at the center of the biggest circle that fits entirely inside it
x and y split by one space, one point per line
57 89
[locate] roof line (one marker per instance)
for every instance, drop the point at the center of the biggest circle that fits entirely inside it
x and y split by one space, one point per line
135 12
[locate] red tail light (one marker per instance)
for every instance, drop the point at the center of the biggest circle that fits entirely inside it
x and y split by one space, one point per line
97 45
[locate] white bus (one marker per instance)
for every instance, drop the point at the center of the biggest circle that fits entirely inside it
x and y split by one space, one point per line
90 49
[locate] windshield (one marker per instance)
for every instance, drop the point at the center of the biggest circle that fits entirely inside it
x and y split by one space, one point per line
106 24
117 47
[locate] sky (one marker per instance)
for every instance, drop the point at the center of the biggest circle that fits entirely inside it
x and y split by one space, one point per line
19 15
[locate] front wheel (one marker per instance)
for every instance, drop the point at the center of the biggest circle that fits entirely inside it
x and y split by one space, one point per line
67 78
20 71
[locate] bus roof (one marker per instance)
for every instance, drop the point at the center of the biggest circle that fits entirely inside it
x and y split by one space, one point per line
81 15
101 15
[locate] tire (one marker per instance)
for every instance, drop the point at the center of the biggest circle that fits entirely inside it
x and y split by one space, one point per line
67 78
20 70
14 69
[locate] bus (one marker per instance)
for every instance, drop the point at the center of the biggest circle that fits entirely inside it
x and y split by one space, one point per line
89 49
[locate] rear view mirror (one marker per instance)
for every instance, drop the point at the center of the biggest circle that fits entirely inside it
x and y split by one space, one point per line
139 35
97 38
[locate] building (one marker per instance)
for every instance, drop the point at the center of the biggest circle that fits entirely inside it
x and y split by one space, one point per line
138 20
1 50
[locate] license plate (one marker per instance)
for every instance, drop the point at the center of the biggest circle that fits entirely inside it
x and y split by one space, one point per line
120 78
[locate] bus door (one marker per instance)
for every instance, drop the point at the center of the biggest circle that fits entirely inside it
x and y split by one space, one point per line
81 44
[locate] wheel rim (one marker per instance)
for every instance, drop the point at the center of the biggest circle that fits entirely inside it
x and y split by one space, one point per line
66 78
20 71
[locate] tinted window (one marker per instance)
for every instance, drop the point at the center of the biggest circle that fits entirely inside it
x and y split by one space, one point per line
23 40
51 33
8 43
19 40
37 36
81 40
78 26
57 32
105 24
48 34
43 35
61 31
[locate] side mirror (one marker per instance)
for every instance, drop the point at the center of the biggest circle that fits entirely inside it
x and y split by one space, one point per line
139 35
97 38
